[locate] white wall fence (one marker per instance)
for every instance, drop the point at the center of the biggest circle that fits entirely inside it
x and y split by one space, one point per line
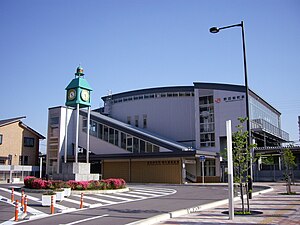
16 173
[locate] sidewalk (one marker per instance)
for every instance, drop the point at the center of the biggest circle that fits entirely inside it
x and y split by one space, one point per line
275 207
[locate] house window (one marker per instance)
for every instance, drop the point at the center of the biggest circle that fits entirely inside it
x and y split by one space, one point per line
23 160
28 142
1 138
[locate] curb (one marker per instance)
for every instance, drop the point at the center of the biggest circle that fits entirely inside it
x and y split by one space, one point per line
28 190
186 211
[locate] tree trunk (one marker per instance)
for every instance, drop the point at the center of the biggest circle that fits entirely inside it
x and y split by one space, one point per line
248 193
242 197
289 185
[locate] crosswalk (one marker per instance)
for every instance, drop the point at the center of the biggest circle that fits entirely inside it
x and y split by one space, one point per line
135 193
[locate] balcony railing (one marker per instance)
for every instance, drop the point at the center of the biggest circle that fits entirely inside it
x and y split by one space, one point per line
260 124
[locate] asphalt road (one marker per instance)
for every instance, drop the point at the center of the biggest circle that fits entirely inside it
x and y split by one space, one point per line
183 196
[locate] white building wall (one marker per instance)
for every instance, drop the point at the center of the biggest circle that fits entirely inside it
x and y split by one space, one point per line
172 117
228 110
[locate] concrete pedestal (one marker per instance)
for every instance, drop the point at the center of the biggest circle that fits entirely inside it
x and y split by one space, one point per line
76 171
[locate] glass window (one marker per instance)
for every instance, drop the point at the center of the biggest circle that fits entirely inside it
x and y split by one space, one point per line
149 147
129 143
25 160
155 148
123 140
142 146
210 167
1 139
111 135
136 121
128 120
93 128
116 137
144 121
105 133
206 100
100 131
28 142
135 145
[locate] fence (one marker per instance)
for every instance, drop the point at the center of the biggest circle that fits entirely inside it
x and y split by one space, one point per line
15 173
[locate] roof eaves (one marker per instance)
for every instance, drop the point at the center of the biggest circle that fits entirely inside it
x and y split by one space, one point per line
12 120
32 130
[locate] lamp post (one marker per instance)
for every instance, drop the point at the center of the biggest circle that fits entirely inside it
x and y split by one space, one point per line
215 30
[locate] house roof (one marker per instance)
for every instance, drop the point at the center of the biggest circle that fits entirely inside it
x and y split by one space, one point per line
18 119
12 120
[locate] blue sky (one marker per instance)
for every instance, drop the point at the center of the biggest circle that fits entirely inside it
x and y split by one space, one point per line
131 44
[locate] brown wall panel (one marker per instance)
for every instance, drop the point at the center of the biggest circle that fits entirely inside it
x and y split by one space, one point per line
116 169
144 171
156 171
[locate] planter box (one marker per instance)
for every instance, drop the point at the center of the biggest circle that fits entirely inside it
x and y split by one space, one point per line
67 192
60 195
46 200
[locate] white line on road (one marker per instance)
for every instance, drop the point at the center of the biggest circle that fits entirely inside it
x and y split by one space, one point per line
143 193
96 199
87 219
76 202
115 197
157 192
130 195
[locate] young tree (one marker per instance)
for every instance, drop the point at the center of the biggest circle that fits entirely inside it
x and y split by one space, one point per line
269 160
241 153
288 160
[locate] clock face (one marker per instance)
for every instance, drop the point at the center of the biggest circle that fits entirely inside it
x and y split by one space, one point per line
71 94
85 95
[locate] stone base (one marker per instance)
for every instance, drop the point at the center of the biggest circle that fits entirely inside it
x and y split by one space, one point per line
76 171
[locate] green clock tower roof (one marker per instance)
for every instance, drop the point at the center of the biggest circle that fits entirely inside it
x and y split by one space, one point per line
79 82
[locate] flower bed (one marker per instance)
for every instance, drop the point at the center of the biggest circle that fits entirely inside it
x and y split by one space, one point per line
106 184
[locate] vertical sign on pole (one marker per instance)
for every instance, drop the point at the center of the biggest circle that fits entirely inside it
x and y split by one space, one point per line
230 169
202 159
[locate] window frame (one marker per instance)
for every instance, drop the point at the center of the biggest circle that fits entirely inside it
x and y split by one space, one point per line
28 142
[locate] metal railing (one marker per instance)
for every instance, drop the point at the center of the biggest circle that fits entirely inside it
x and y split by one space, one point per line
269 128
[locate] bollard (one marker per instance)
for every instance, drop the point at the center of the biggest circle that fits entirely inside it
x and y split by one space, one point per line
22 198
25 204
12 198
17 211
52 205
81 201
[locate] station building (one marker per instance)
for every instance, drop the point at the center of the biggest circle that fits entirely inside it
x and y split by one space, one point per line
158 134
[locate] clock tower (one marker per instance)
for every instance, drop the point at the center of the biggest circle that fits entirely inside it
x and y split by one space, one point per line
78 91
78 96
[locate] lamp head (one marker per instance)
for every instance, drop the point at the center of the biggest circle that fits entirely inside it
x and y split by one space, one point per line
214 30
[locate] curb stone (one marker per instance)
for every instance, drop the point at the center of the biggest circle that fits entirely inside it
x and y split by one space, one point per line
186 211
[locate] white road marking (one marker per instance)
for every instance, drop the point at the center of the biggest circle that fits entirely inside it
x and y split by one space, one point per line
95 199
157 192
87 219
76 202
130 195
143 193
115 197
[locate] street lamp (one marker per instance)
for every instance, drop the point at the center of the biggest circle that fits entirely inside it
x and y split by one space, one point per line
215 30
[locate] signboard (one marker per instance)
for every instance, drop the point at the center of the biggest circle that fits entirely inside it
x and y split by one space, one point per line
202 158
